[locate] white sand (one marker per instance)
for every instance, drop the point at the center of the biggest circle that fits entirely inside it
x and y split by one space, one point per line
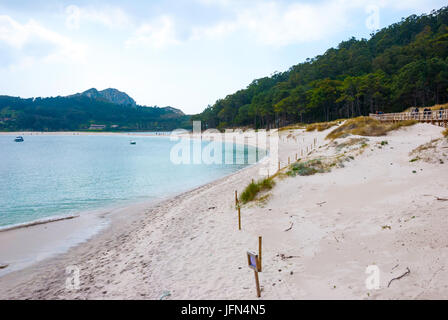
190 245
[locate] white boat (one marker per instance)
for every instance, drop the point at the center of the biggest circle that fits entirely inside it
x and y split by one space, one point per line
132 142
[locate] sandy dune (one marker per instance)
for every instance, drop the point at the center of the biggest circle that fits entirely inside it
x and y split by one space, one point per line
379 209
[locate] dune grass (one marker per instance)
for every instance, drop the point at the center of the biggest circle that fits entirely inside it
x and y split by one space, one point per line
366 126
254 188
351 142
320 126
445 133
307 168
292 127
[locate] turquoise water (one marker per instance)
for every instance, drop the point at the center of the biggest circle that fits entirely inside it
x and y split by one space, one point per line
48 176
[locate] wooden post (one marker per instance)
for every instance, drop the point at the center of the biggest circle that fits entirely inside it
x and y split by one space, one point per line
289 160
296 156
239 218
259 252
236 198
279 166
257 283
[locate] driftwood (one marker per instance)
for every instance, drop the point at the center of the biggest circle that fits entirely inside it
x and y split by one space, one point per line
437 198
285 257
290 227
321 203
408 271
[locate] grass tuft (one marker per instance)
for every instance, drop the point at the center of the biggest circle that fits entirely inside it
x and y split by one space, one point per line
351 142
320 126
307 168
292 127
366 126
445 133
254 188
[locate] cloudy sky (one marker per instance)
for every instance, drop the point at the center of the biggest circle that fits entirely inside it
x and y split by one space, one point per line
182 53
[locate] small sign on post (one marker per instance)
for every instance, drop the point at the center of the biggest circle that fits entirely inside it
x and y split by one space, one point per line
254 263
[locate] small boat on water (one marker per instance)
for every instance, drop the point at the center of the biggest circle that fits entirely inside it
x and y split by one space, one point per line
19 139
133 142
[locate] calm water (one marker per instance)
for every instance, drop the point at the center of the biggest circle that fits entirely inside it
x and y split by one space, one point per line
49 176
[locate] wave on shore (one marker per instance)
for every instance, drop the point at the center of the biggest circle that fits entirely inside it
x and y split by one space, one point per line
37 222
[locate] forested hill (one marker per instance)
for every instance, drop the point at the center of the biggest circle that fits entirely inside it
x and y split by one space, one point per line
80 111
400 66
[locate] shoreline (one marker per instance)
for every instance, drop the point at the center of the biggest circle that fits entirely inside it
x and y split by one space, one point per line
120 219
112 211
37 222
121 223
79 133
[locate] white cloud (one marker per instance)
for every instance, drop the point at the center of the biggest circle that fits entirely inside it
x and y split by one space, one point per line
31 41
158 34
215 2
111 17
280 23
274 23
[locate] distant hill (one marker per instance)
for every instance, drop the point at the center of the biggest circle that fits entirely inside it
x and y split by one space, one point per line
403 65
110 95
110 109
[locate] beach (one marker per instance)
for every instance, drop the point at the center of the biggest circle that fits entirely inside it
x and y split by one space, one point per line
320 232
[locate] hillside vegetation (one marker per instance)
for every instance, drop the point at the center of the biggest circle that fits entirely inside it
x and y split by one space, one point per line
400 66
78 112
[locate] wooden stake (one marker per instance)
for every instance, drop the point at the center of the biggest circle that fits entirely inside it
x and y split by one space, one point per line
239 218
257 283
296 156
236 198
259 252
289 160
279 166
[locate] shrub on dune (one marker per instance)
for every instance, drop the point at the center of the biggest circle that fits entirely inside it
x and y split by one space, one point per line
307 168
320 126
254 188
367 126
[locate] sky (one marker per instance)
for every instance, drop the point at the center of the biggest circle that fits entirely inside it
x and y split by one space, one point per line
180 53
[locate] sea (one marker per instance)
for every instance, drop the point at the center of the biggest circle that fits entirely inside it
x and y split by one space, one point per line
49 176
